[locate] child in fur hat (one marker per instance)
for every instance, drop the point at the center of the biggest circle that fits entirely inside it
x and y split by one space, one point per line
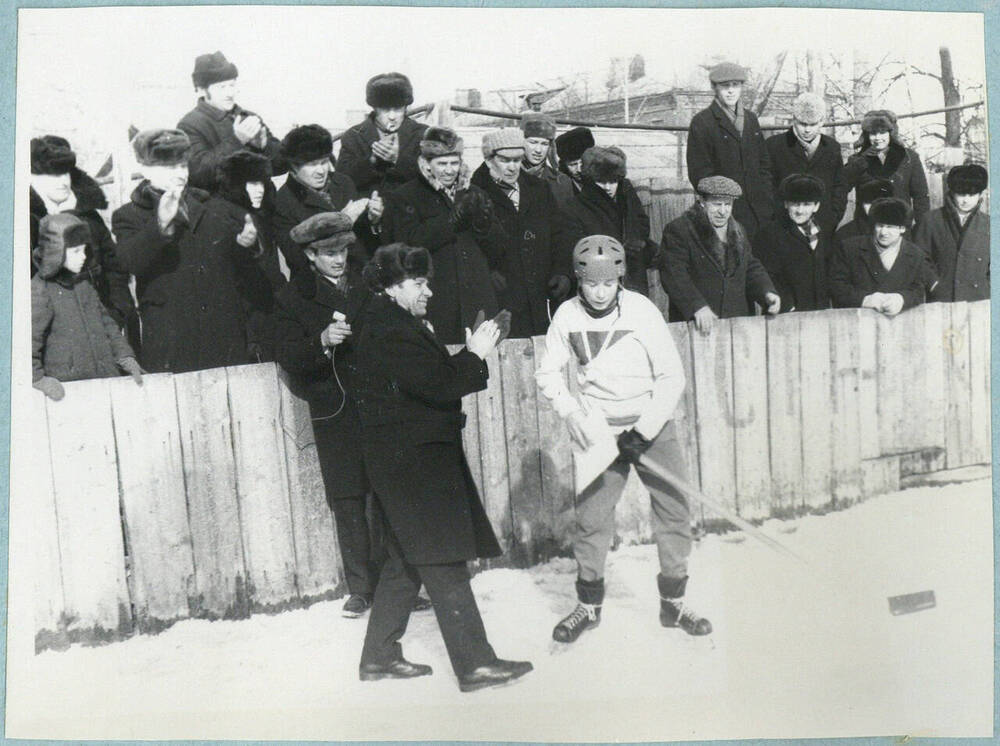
72 335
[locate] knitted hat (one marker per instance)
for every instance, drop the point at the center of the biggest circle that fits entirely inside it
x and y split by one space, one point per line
809 108
440 141
51 155
243 166
161 147
879 120
570 145
719 186
890 211
324 230
727 71
56 233
873 190
394 263
801 188
969 178
599 258
502 139
212 68
538 124
308 142
604 165
389 91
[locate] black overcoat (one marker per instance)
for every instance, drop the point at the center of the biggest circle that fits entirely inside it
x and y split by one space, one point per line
902 167
798 271
355 157
716 148
856 272
693 277
827 164
537 250
420 215
305 307
411 421
960 254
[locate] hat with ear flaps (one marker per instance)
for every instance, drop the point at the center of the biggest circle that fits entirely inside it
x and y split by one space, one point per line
440 141
51 155
56 233
389 91
161 147
538 124
308 142
604 165
212 68
394 263
244 166
572 144
969 178
873 190
801 188
890 211
324 230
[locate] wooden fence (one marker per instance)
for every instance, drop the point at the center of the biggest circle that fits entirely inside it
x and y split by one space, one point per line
199 495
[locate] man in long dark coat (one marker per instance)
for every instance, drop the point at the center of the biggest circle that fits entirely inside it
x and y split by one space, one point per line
411 421
725 140
217 126
380 153
535 271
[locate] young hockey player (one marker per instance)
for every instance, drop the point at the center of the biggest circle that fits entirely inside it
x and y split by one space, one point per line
631 378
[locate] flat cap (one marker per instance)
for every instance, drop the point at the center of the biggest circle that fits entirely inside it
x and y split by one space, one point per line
726 71
719 186
324 230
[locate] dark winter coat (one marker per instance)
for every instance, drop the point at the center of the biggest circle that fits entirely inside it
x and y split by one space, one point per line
295 202
72 334
694 278
356 152
211 133
798 271
536 250
827 164
856 272
960 254
411 422
561 184
593 212
102 268
716 148
305 307
902 167
187 283
420 215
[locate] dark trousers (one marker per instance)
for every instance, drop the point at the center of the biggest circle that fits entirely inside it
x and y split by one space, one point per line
455 606
355 537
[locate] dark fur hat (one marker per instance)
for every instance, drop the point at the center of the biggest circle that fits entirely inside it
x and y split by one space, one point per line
571 145
242 167
879 120
440 141
969 178
161 147
324 230
212 68
538 124
801 188
604 165
308 142
56 233
873 190
389 91
51 155
394 263
890 211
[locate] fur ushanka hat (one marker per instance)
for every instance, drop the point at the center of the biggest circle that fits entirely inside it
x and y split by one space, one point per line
440 141
389 91
873 190
161 147
801 188
969 178
56 233
572 144
51 155
890 211
308 142
538 124
394 263
242 167
212 68
604 165
324 230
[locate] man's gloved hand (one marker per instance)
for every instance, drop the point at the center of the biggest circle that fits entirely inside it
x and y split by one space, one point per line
472 210
131 366
50 387
631 446
558 287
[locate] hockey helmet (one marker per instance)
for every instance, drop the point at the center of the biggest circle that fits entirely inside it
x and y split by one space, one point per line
599 258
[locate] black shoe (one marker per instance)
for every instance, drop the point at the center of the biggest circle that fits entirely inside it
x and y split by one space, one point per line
584 617
422 604
674 613
356 605
398 669
495 674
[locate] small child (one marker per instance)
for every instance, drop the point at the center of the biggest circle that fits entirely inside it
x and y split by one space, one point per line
630 376
72 335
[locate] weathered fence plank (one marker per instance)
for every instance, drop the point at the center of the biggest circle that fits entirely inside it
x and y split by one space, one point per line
151 475
784 410
92 552
685 414
44 538
958 443
817 409
210 479
932 350
750 418
845 356
868 382
980 451
262 486
493 451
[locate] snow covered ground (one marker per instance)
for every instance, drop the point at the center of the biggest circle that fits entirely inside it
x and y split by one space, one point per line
797 651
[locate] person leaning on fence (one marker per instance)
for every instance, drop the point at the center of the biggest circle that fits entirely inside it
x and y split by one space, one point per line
314 186
803 149
458 226
217 126
861 225
539 131
570 147
608 205
957 237
795 249
706 263
73 336
411 424
188 263
725 140
883 271
59 186
380 153
630 379
882 155
535 269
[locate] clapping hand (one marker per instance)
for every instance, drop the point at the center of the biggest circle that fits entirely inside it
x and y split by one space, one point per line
484 340
248 236
247 128
170 203
375 208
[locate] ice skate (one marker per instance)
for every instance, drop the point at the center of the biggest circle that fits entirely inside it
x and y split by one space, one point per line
674 612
